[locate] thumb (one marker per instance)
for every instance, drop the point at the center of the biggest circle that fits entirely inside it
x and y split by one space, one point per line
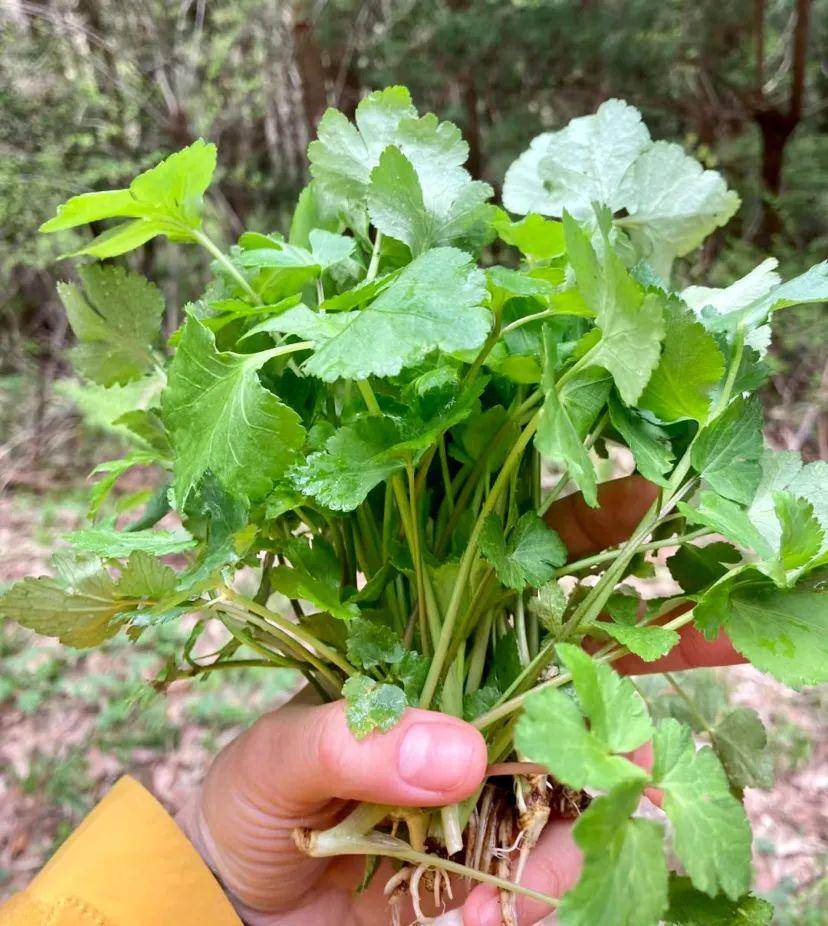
302 757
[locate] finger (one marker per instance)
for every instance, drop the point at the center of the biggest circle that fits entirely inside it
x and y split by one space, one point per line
305 756
584 530
553 868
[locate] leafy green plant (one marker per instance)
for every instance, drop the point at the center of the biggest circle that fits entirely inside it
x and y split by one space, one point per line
360 412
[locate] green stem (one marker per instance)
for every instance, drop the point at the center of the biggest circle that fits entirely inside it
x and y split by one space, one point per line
614 653
373 266
590 561
537 316
206 242
467 561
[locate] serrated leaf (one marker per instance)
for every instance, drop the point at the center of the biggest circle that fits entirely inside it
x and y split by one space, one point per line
583 163
624 879
689 907
299 584
631 321
617 715
440 213
372 706
648 643
530 555
371 644
356 458
549 718
741 744
650 446
222 419
726 518
784 633
690 367
726 453
802 537
673 204
711 834
436 303
145 576
112 544
116 317
549 606
166 200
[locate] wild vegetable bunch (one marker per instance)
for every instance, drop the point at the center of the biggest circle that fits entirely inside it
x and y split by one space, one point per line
359 422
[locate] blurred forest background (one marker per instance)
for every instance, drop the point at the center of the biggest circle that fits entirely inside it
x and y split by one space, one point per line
94 91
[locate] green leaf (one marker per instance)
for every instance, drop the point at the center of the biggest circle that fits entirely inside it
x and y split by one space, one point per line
83 605
356 458
556 437
144 576
111 544
534 236
631 320
222 419
550 718
695 568
436 303
726 453
372 706
116 318
784 633
617 715
648 643
165 200
624 879
449 209
726 518
691 365
711 834
299 584
802 537
650 446
221 522
741 744
689 907
114 469
530 555
371 644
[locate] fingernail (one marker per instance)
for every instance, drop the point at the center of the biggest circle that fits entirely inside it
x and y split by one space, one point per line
452 918
437 756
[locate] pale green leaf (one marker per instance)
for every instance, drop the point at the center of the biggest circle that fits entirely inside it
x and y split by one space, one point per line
534 236
116 318
144 576
726 518
111 544
371 706
371 644
648 643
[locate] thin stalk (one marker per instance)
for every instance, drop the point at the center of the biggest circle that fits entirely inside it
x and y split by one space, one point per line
589 561
467 561
520 631
444 470
477 659
208 244
611 655
519 322
297 630
373 266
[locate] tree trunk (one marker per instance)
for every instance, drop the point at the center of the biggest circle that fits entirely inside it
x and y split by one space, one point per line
312 73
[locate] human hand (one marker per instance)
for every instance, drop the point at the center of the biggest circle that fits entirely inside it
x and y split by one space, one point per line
301 766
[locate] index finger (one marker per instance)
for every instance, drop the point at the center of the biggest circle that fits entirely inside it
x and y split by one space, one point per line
622 504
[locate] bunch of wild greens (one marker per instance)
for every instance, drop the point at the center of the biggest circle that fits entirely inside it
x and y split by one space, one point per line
355 420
